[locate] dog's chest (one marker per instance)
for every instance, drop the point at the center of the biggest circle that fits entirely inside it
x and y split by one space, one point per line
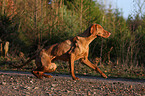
80 48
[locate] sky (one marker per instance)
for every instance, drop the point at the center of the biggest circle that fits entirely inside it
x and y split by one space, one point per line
128 6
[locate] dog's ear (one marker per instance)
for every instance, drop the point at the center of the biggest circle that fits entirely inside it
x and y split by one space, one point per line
93 29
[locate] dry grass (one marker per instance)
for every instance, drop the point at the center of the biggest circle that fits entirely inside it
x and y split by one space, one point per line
112 70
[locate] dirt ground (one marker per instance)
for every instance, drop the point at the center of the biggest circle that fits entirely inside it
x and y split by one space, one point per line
24 83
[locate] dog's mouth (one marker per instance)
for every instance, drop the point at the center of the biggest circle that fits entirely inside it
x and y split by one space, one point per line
105 35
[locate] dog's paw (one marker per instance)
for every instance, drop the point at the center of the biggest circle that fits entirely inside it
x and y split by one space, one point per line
76 78
37 75
48 76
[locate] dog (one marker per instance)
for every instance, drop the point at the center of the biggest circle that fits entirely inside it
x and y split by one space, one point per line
76 48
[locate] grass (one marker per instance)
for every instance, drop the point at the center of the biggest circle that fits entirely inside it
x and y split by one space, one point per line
111 70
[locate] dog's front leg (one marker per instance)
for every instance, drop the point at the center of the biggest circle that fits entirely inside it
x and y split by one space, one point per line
88 63
71 62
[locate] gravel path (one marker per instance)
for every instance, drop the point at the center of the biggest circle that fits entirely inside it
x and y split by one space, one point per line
24 83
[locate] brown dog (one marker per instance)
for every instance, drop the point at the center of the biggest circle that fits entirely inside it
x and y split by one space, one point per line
69 50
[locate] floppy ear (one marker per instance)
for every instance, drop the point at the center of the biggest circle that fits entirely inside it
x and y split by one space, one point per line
93 29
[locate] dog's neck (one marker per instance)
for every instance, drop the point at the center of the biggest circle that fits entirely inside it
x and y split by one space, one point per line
89 39
85 41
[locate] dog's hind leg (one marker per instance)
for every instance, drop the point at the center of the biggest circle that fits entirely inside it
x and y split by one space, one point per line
51 68
47 76
43 63
39 72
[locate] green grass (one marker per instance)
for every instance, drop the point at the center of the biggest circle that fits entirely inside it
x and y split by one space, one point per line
111 70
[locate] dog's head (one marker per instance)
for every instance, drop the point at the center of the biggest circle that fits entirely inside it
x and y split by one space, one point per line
98 30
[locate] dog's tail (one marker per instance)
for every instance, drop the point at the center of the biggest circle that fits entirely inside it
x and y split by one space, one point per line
27 62
33 57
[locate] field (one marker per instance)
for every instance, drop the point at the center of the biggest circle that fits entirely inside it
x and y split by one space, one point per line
122 80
